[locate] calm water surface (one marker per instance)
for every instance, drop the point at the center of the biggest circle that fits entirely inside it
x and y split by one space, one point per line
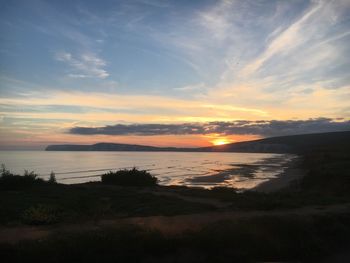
240 170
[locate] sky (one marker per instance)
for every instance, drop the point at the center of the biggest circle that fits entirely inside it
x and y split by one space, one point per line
171 73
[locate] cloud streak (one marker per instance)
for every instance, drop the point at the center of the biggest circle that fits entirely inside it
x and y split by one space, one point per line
87 65
262 128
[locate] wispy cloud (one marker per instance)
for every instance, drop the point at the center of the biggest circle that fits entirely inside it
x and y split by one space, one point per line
86 65
216 19
281 44
193 87
129 107
284 42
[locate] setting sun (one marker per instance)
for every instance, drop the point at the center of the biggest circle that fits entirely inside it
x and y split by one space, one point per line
221 141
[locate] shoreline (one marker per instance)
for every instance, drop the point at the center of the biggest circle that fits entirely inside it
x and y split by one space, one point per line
293 172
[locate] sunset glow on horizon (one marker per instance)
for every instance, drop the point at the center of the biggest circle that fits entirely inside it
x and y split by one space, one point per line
171 73
221 142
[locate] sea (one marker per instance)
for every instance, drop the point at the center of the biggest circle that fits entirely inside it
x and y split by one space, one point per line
201 169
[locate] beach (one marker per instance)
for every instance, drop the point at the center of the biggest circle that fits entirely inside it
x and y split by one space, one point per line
292 173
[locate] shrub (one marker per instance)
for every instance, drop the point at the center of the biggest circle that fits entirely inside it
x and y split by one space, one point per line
9 180
41 215
131 177
4 171
52 179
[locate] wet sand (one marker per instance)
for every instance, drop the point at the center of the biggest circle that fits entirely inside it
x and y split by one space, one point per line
250 176
292 173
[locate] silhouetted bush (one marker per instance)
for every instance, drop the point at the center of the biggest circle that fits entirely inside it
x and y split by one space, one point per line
52 179
131 177
41 215
9 180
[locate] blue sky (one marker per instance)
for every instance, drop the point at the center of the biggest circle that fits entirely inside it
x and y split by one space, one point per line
67 64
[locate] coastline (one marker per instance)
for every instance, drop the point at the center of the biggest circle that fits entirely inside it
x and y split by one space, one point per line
293 172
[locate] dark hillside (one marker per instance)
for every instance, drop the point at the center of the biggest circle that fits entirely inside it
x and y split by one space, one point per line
289 144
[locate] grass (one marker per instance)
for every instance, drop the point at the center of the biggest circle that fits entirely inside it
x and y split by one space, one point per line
30 200
41 215
90 202
330 169
244 240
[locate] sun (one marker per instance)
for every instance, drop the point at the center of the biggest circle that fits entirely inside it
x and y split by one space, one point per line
217 139
220 141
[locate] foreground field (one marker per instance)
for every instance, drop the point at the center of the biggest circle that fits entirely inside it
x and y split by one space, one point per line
308 220
251 238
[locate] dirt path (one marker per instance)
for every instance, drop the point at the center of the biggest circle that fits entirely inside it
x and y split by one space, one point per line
199 200
180 223
166 224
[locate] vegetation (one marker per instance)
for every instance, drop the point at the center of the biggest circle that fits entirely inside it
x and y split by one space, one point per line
9 180
329 171
263 239
131 177
52 179
41 215
93 201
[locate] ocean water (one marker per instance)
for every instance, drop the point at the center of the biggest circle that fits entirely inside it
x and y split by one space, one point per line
239 170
